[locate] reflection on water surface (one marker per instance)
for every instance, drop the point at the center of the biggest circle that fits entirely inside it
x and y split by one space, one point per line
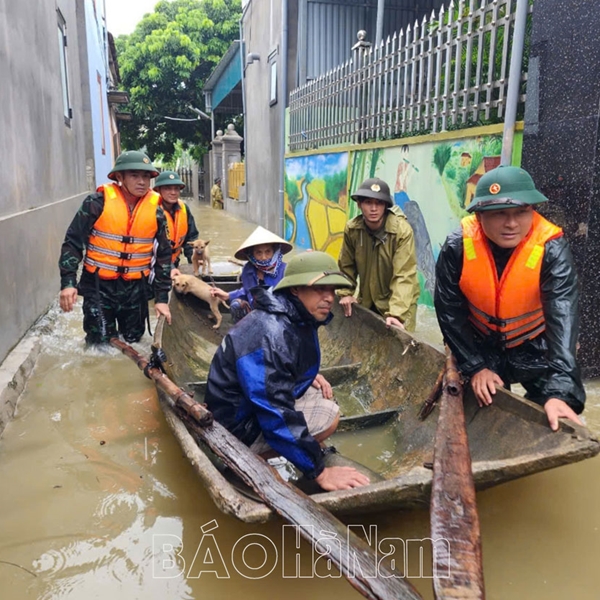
98 502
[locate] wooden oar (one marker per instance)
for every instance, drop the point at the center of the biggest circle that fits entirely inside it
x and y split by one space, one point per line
235 261
434 396
354 558
457 563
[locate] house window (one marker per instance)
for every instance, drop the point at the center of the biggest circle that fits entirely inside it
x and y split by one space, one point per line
64 73
273 84
101 97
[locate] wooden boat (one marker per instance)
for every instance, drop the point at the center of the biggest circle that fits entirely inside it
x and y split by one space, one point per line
381 378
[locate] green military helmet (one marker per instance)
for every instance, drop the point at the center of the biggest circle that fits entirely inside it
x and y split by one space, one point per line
132 160
374 188
168 178
505 187
312 268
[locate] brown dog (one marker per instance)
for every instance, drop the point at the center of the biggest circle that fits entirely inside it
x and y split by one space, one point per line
201 255
187 284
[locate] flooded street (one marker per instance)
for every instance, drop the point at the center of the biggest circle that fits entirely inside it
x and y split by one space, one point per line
94 485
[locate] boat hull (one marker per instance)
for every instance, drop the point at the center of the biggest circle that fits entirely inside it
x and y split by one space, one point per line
375 371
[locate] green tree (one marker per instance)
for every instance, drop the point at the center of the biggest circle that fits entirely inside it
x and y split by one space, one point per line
335 184
441 156
164 64
291 187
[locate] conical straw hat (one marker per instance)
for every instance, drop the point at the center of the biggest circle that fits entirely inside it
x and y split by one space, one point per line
261 236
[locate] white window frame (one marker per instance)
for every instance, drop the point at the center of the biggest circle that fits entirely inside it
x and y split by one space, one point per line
64 67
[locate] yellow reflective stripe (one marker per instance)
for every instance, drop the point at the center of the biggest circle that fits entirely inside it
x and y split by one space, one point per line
469 249
534 257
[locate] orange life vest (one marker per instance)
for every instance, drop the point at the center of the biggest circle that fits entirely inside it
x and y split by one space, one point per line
178 228
510 309
122 244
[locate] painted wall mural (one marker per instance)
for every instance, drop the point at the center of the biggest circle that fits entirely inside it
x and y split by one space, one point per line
316 201
431 182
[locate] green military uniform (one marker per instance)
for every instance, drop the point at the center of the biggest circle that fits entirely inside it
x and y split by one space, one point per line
172 178
386 265
112 306
385 261
216 196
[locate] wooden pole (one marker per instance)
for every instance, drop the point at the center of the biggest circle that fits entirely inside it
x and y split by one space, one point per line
434 396
355 559
457 562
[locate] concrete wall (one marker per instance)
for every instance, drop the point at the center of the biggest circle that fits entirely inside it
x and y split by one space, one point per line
43 175
263 122
94 54
561 147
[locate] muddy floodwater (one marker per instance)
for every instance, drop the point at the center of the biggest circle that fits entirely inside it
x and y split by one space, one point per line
97 501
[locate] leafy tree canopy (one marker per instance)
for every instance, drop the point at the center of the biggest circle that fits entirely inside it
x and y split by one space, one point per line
164 64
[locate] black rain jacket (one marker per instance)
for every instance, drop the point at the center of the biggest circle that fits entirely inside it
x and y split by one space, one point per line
546 365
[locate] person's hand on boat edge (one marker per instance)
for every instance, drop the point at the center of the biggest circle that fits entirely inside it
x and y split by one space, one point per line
320 383
484 384
341 478
161 308
556 409
393 322
67 299
346 303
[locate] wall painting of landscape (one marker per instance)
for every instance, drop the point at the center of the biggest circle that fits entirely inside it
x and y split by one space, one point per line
431 182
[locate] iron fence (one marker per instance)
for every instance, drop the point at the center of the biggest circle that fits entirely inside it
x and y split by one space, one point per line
447 72
236 178
201 178
186 175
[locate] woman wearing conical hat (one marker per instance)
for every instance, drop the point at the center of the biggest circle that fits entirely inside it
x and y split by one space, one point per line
264 252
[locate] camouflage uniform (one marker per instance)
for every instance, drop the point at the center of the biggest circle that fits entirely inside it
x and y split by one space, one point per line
191 236
116 305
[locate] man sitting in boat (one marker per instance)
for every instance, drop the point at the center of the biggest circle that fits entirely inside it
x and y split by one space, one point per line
506 297
180 221
379 248
264 252
263 383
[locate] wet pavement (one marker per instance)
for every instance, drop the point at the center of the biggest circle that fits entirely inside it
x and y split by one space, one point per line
97 500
